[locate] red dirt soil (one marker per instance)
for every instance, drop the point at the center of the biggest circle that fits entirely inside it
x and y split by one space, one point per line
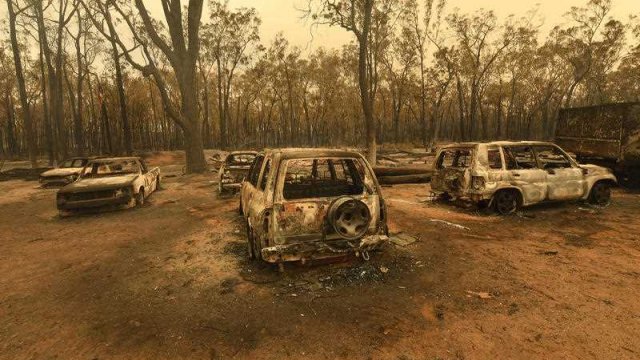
171 281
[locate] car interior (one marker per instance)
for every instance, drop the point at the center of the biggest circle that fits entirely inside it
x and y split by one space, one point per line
311 178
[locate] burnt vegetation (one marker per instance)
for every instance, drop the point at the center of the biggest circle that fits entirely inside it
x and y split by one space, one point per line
112 77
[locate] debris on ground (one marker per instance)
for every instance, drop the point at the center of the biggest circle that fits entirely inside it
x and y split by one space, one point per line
548 252
481 295
402 239
448 223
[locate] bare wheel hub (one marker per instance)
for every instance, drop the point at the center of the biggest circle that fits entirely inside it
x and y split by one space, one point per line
350 218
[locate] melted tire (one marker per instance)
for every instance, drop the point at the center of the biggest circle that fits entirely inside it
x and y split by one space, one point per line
506 202
600 194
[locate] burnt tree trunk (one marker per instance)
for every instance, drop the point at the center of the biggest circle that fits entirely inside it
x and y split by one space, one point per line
364 82
24 101
12 144
122 100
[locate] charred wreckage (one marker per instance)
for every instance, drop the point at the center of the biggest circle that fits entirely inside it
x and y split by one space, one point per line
307 204
109 183
310 204
509 175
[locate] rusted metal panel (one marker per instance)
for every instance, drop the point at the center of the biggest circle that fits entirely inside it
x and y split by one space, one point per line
608 131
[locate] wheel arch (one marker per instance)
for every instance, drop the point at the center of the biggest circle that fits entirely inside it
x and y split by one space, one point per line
610 181
518 191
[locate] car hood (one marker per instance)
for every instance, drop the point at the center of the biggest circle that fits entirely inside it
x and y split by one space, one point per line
105 183
61 172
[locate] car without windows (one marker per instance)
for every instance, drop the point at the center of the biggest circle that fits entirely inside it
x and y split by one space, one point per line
509 175
234 169
107 183
307 204
66 173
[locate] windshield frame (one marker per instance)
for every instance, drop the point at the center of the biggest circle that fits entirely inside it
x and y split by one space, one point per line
90 170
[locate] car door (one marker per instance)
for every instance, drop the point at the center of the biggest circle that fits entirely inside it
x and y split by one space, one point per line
147 179
565 180
258 202
523 172
249 186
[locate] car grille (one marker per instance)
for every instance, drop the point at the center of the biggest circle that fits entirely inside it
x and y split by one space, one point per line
93 195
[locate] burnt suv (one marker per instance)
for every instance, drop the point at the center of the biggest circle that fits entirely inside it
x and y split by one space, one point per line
508 175
307 204
234 169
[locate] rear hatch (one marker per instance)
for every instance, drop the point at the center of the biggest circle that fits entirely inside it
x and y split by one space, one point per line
452 173
309 187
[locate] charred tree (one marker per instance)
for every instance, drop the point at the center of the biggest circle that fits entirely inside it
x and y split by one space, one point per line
22 90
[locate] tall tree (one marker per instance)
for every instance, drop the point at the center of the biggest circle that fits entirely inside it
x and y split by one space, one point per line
356 17
180 47
229 40
22 89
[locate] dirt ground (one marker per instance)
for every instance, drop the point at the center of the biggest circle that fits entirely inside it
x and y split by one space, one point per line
171 281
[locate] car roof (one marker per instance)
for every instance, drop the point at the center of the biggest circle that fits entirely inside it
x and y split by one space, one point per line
298 153
496 143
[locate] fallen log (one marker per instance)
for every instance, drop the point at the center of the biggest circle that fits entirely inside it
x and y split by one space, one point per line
404 179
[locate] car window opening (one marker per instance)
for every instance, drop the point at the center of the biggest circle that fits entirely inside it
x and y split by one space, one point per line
455 158
310 178
112 168
240 159
551 157
520 158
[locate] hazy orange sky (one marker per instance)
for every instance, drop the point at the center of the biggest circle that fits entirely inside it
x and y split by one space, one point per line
281 15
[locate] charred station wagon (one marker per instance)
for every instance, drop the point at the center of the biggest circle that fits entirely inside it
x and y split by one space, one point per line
305 204
508 175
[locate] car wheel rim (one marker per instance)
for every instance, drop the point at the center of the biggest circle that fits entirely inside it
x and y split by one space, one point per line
506 203
352 219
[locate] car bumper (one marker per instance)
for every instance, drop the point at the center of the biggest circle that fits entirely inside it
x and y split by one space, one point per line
95 203
321 249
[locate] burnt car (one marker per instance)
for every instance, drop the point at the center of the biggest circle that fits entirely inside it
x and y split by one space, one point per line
109 183
234 169
66 173
509 175
307 204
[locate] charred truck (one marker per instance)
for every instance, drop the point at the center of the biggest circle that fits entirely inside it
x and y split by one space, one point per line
607 135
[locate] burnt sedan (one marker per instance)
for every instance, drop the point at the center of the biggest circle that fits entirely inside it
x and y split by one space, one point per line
109 183
66 173
234 169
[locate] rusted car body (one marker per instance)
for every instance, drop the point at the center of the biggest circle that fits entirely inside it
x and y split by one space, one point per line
307 204
109 183
606 134
66 173
508 175
234 169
